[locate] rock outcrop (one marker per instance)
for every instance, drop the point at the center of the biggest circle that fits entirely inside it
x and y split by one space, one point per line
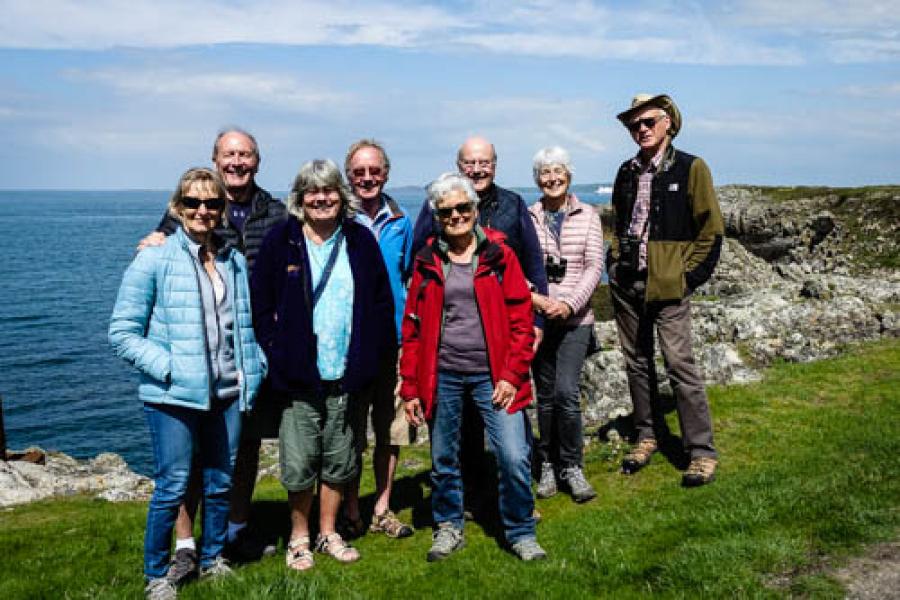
798 280
44 475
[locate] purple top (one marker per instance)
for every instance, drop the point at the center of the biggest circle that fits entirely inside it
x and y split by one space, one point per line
462 340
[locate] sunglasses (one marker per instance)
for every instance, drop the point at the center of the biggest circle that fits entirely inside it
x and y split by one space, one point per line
361 171
648 122
210 203
463 208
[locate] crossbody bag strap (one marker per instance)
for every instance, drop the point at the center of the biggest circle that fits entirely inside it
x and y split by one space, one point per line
329 266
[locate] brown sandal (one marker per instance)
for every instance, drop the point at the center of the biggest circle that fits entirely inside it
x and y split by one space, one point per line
388 524
335 545
299 556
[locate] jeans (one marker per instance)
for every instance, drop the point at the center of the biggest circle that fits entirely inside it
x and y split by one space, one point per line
557 372
175 431
509 441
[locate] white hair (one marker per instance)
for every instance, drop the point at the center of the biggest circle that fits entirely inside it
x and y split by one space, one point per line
449 182
552 155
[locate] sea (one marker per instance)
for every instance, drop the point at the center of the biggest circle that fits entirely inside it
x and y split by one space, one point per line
64 253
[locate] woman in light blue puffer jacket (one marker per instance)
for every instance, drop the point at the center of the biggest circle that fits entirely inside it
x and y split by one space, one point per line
183 319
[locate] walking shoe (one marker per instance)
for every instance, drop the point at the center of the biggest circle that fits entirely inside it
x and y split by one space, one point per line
639 457
445 540
701 471
388 524
546 487
218 568
578 486
184 566
160 589
528 549
248 546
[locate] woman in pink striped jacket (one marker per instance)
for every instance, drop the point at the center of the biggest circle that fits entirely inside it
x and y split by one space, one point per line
571 237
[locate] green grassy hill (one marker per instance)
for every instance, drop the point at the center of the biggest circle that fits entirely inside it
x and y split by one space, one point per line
810 472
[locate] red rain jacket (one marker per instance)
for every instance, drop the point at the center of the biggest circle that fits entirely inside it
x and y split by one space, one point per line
504 305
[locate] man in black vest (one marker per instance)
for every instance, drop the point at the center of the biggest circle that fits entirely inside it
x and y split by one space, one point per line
252 211
668 236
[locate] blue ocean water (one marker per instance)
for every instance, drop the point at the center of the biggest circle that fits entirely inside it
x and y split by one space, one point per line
64 254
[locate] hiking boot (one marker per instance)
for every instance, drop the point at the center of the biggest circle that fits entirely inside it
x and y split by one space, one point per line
388 524
528 549
445 540
701 471
546 487
160 589
218 568
639 457
248 546
578 486
184 566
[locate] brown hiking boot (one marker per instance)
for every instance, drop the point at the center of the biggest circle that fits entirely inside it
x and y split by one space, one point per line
701 471
639 457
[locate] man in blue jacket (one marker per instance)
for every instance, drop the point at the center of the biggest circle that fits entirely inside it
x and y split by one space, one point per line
367 167
505 211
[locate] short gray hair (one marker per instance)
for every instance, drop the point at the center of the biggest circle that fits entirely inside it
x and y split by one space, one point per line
366 143
234 129
449 182
551 155
317 174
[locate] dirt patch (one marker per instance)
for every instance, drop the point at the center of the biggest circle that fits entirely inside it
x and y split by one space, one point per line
876 575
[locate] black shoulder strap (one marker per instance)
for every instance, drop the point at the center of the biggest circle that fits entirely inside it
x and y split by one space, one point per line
329 266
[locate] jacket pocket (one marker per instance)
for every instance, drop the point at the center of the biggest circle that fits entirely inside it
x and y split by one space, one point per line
665 270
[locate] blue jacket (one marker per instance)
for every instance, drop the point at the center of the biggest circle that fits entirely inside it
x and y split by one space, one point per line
282 309
395 240
158 326
505 211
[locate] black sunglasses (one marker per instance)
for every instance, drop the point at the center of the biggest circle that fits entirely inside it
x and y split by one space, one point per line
463 208
648 122
211 203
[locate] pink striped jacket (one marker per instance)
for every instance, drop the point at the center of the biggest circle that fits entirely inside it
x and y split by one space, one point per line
581 244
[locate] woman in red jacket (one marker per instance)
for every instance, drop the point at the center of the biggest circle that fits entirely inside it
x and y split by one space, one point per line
467 337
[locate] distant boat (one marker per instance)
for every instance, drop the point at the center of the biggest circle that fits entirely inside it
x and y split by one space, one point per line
604 189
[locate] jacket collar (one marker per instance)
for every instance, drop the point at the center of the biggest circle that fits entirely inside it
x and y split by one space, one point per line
223 246
665 163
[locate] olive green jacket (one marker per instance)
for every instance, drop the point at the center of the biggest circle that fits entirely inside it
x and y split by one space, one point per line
685 224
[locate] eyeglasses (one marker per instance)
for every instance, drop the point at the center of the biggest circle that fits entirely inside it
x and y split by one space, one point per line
463 208
648 122
471 164
233 154
194 203
361 171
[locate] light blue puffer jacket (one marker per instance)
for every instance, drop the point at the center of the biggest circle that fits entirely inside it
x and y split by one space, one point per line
158 326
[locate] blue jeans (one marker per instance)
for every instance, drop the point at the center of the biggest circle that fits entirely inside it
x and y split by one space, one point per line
175 432
508 439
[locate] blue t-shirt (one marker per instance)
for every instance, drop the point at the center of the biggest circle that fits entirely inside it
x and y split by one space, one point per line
333 313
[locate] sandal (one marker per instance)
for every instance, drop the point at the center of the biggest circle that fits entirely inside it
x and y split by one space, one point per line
390 525
299 556
335 545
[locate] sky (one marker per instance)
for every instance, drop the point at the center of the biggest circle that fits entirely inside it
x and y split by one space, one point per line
108 94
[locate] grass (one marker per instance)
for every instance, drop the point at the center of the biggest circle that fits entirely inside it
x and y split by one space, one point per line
810 473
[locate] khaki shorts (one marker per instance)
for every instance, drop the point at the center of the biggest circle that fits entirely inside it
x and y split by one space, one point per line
316 442
388 417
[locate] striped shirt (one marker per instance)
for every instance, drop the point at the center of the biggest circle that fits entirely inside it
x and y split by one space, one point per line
641 212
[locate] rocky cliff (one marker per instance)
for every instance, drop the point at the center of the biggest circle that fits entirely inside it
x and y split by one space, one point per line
803 272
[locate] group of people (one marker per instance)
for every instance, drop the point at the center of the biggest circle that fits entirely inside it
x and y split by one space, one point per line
248 318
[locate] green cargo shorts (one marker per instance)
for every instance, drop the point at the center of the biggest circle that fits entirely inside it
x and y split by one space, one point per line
316 441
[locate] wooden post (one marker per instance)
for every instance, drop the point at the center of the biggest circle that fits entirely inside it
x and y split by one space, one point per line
2 433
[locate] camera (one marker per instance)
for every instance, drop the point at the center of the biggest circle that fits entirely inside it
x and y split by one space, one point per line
629 253
556 268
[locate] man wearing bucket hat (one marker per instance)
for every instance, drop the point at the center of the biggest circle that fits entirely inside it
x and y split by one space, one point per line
668 235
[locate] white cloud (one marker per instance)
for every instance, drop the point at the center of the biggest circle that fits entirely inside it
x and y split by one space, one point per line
876 92
199 89
768 32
